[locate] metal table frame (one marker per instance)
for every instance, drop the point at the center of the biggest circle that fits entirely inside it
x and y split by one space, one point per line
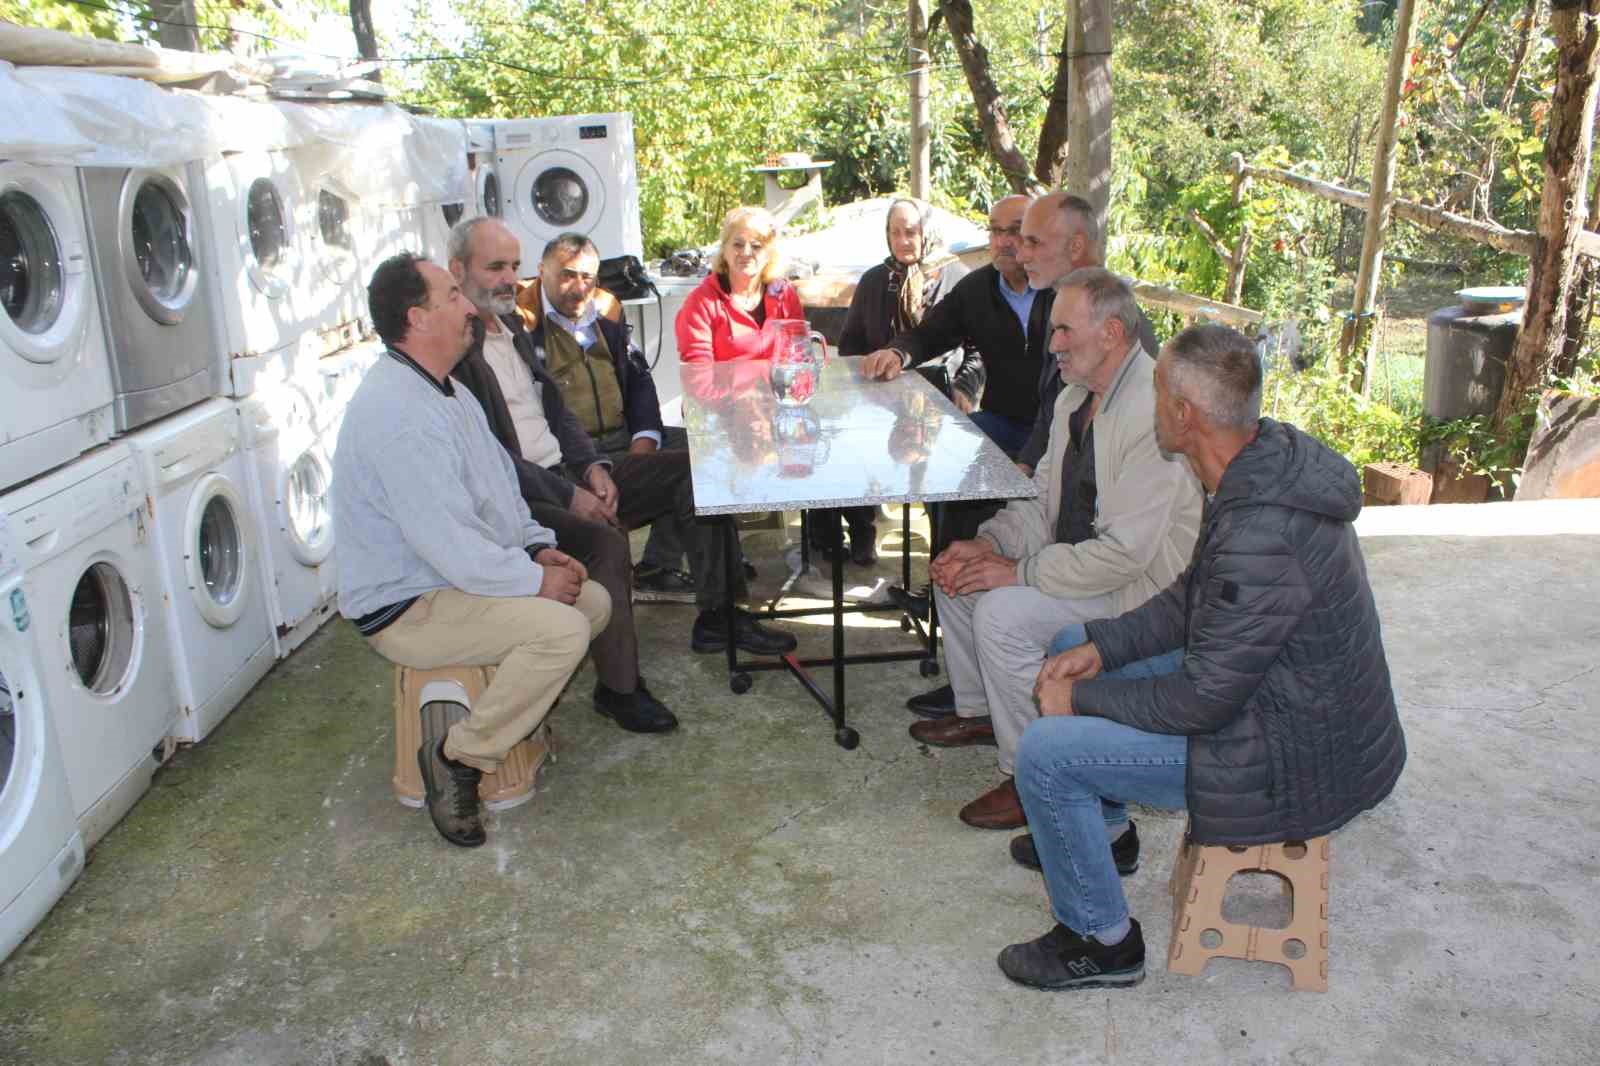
927 651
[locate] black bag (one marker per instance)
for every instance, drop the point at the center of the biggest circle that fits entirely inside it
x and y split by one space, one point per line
624 278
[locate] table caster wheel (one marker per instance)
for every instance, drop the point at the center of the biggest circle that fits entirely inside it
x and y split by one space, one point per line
929 667
847 738
740 683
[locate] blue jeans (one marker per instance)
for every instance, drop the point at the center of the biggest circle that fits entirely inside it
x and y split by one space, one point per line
1009 434
1076 776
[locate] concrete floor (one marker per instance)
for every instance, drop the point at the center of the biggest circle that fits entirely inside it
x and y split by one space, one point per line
746 892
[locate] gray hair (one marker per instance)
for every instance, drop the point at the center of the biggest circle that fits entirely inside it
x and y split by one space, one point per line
932 239
1109 297
1216 369
459 246
1081 212
568 244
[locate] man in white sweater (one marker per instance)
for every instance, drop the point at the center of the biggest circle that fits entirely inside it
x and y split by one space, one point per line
439 561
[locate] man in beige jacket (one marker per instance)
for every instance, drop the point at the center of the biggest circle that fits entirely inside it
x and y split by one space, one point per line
1114 523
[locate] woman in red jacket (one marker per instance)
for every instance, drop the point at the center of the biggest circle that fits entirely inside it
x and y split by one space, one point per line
722 318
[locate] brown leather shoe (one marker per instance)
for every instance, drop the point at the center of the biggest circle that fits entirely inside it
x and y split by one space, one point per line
998 808
954 731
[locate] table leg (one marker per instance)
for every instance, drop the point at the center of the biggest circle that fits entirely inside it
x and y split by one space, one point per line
930 665
738 680
846 737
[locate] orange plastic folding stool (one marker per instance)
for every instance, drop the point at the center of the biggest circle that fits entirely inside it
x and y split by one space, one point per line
449 691
1200 882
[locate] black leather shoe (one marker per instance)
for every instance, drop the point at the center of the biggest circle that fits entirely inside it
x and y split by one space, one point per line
637 711
710 634
912 603
1124 851
452 796
940 703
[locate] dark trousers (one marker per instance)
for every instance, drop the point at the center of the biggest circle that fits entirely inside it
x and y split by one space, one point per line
603 549
656 486
666 545
823 525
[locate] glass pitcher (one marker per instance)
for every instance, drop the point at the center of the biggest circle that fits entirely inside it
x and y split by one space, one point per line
798 354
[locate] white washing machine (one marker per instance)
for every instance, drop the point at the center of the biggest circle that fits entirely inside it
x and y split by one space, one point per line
484 170
290 476
55 382
574 173
335 295
84 536
255 226
41 851
197 474
158 311
340 376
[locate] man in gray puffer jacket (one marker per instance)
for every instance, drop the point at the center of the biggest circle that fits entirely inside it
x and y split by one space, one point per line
1253 691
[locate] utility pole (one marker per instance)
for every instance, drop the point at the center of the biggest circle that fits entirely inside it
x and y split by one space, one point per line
1357 335
921 127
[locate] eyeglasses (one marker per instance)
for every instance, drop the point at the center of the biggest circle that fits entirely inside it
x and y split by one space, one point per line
1008 231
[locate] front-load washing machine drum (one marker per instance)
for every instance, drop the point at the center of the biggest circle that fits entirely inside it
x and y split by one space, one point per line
266 221
307 515
216 550
155 228
32 280
489 194
8 731
333 220
559 191
100 629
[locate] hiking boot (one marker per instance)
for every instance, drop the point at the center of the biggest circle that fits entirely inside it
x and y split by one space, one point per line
452 796
1124 851
658 584
1061 959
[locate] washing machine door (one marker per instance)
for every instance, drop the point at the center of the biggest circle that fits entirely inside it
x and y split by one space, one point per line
489 192
43 285
155 242
217 550
556 192
335 232
103 629
267 236
305 509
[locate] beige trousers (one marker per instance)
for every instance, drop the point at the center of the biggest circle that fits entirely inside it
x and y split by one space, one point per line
535 643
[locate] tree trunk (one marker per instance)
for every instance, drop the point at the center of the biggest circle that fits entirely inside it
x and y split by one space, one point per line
986 97
366 33
1562 206
1089 116
177 28
917 63
1357 339
1049 163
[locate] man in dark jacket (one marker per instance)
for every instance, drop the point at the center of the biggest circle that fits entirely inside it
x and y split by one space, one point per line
1253 691
994 310
570 486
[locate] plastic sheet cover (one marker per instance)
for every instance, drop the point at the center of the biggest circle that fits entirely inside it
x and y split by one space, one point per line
71 117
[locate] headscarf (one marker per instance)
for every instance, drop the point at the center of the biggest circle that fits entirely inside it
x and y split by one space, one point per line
909 285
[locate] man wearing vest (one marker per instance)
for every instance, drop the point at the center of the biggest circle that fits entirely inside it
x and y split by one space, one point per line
553 379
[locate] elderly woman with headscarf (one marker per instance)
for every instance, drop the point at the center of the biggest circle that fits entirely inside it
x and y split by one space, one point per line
890 299
723 316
